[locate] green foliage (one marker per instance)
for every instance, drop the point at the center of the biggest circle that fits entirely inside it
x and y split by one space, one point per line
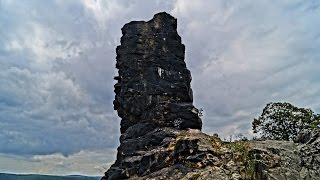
241 137
283 121
200 112
195 176
240 155
182 134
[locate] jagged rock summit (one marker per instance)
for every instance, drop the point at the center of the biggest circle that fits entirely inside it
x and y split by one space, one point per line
153 86
161 134
153 93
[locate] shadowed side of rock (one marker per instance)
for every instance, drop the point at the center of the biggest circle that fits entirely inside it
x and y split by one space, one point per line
153 95
153 83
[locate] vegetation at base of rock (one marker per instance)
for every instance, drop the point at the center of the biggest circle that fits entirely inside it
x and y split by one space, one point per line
283 121
241 155
181 134
195 176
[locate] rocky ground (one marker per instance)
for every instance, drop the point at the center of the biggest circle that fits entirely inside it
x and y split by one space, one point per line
191 154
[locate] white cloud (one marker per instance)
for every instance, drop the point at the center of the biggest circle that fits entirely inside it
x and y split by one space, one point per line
91 163
56 77
245 54
103 11
57 65
43 112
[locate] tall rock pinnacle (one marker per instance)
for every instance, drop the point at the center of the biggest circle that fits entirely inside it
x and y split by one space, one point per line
161 134
153 93
153 83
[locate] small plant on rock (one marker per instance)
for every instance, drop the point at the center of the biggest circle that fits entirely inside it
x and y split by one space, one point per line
240 155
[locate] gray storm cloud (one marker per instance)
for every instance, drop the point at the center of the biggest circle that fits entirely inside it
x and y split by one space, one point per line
57 62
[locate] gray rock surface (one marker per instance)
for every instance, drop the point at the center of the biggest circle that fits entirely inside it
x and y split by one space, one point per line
288 160
153 82
153 95
161 134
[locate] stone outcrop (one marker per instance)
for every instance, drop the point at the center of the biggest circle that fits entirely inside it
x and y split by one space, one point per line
288 160
161 134
153 84
153 95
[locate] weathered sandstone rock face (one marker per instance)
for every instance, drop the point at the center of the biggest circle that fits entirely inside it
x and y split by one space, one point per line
161 134
153 94
288 160
153 84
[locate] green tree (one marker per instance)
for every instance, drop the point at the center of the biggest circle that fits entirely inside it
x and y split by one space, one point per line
283 121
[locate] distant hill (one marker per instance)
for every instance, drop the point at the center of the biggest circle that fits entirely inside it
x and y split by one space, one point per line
4 176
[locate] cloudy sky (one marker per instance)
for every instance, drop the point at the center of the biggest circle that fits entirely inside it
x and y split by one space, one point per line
57 62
